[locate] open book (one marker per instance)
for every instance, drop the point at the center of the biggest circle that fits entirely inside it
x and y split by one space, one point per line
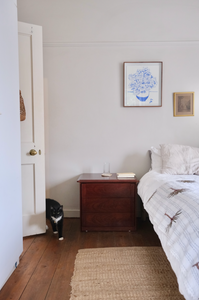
126 175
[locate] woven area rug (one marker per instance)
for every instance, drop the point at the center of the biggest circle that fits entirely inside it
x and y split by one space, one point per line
136 273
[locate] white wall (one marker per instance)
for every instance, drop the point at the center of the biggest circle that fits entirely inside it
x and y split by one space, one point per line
85 45
10 155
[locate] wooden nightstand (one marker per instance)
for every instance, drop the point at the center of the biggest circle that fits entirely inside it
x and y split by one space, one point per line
107 203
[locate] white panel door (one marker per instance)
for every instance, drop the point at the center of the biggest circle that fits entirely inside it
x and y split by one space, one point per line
32 128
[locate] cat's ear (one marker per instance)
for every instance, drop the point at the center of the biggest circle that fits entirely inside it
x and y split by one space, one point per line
61 206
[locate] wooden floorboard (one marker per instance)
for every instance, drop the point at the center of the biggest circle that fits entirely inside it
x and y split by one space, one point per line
46 264
20 278
60 284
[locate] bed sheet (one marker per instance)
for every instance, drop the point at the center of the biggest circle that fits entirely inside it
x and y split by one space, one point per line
165 196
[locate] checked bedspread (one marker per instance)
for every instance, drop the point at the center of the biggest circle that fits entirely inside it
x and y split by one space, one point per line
174 210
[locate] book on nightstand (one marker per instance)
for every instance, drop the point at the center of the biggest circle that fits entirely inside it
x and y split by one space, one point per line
126 175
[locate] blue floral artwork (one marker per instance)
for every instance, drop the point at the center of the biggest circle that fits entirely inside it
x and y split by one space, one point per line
142 84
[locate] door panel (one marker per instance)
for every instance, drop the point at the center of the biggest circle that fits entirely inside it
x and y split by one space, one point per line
25 72
32 128
28 182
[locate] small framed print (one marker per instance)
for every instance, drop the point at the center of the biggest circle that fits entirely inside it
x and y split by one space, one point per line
143 84
183 104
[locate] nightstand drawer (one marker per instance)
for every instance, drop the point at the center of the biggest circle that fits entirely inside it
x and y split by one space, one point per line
107 220
103 205
94 190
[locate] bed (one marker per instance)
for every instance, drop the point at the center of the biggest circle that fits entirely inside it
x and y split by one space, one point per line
170 195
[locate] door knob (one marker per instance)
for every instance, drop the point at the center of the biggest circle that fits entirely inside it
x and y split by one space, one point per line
33 152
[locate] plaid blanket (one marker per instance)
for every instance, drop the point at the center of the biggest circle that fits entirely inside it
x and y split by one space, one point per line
174 210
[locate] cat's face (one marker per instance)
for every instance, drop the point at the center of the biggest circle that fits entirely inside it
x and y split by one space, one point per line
56 213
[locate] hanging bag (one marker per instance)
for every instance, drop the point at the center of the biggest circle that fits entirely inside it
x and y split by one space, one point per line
22 108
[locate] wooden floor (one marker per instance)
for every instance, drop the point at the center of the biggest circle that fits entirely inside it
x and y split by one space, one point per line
46 264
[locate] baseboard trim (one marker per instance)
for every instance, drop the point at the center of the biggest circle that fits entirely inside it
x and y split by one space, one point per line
71 213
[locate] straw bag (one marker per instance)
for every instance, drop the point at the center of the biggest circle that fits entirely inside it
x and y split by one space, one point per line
22 108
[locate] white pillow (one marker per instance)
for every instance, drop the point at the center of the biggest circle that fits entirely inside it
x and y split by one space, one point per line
179 159
156 159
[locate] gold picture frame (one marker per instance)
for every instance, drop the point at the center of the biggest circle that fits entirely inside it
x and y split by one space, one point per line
183 104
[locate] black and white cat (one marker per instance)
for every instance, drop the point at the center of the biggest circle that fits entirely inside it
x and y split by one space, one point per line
54 213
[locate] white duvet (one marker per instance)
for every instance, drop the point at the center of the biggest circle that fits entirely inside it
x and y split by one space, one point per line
172 202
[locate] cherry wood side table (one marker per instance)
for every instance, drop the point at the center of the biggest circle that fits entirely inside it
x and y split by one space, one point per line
107 203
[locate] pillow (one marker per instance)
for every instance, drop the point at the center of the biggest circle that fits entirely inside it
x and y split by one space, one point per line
156 159
179 159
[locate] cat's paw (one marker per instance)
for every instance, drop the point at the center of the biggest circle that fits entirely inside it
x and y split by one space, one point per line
46 227
55 232
61 238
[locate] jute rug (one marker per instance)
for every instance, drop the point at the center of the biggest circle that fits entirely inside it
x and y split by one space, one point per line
136 273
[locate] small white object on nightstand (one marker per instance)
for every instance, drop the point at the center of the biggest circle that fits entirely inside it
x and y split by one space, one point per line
106 174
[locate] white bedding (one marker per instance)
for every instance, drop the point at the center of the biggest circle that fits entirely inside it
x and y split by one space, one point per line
165 196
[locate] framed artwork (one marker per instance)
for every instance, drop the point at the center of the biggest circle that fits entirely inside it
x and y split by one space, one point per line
143 84
183 104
